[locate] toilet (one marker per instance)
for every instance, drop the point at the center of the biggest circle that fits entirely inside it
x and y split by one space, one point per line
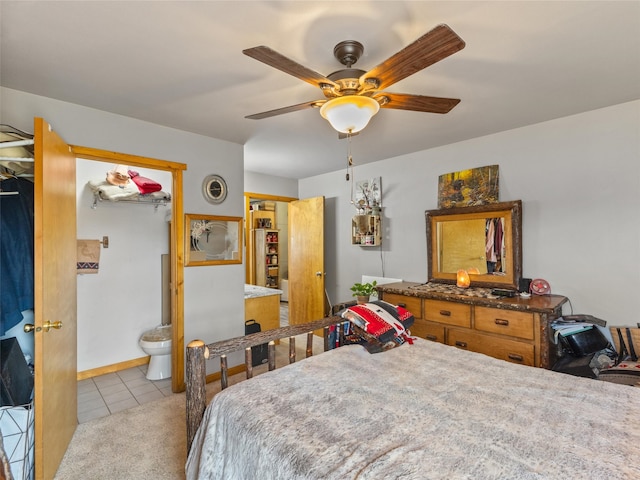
157 344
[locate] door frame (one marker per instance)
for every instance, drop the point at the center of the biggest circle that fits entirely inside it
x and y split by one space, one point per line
248 240
176 245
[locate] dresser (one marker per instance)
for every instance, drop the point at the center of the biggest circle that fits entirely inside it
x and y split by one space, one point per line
512 329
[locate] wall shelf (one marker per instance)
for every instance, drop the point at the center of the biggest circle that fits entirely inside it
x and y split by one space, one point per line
366 230
157 202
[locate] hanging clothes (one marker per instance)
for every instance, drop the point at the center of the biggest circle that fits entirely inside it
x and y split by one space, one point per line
499 244
16 252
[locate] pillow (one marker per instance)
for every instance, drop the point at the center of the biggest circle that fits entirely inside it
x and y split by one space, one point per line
379 324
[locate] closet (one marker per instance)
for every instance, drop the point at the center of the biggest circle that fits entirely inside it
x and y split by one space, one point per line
16 298
16 229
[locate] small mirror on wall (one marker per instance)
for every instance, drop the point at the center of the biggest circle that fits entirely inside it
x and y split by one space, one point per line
213 240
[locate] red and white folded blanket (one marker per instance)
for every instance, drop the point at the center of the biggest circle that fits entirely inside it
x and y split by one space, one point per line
381 324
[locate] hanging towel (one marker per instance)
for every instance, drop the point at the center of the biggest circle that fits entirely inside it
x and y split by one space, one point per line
88 256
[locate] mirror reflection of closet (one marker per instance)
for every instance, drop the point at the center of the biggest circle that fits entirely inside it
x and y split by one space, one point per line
486 237
257 216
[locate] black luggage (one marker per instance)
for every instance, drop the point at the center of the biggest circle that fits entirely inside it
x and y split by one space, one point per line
259 353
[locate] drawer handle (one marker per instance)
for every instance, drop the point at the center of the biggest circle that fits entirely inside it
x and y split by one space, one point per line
501 321
433 338
445 313
461 344
516 357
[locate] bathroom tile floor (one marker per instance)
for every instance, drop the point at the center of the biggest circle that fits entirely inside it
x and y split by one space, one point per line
106 394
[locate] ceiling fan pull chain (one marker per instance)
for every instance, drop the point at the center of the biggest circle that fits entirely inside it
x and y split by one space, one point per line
349 163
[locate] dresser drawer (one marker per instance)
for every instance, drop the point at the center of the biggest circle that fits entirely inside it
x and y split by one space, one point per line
502 348
419 328
505 322
432 331
448 313
413 304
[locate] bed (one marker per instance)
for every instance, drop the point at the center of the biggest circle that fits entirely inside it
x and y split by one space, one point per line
418 411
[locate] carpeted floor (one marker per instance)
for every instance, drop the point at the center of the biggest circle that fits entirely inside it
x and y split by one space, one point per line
147 442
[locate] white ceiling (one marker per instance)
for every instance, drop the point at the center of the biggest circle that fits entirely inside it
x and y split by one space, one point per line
180 64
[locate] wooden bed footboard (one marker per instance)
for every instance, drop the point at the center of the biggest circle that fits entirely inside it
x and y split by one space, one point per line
198 352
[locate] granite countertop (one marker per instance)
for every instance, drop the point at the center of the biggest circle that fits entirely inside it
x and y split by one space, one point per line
474 296
254 291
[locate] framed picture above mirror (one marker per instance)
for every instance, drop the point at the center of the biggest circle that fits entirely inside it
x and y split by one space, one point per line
212 240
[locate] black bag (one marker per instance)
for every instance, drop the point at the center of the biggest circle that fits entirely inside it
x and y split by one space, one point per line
585 342
259 353
576 366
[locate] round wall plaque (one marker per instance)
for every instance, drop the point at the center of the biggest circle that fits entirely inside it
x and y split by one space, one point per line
214 189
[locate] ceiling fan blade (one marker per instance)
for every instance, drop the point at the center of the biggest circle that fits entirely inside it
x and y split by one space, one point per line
279 61
292 108
417 103
432 47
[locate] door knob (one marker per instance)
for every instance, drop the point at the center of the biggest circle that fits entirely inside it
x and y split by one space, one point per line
48 325
318 274
30 327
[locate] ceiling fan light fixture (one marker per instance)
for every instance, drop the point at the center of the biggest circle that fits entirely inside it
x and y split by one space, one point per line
350 113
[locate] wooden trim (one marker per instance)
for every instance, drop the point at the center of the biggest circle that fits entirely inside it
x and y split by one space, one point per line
89 153
262 196
116 367
177 285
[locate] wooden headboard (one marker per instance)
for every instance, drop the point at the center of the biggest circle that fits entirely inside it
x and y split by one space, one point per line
198 353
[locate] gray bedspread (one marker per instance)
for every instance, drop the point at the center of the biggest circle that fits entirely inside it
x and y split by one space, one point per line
421 411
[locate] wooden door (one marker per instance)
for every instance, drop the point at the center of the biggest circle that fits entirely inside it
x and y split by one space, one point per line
55 366
306 260
465 245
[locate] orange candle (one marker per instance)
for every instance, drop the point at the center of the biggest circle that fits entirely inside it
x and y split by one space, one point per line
463 279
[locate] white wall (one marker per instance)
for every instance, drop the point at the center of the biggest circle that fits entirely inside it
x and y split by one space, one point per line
578 178
270 185
214 295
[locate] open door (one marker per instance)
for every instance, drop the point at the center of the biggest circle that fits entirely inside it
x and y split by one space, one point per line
55 366
306 260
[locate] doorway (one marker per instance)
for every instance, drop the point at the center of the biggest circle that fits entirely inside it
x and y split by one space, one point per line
262 210
176 243
268 211
129 238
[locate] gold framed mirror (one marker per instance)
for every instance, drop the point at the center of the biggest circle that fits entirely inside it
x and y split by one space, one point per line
212 240
487 238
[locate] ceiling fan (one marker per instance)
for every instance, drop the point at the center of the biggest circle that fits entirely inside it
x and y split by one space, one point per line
353 96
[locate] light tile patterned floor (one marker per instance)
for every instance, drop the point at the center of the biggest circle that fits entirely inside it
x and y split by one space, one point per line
106 394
